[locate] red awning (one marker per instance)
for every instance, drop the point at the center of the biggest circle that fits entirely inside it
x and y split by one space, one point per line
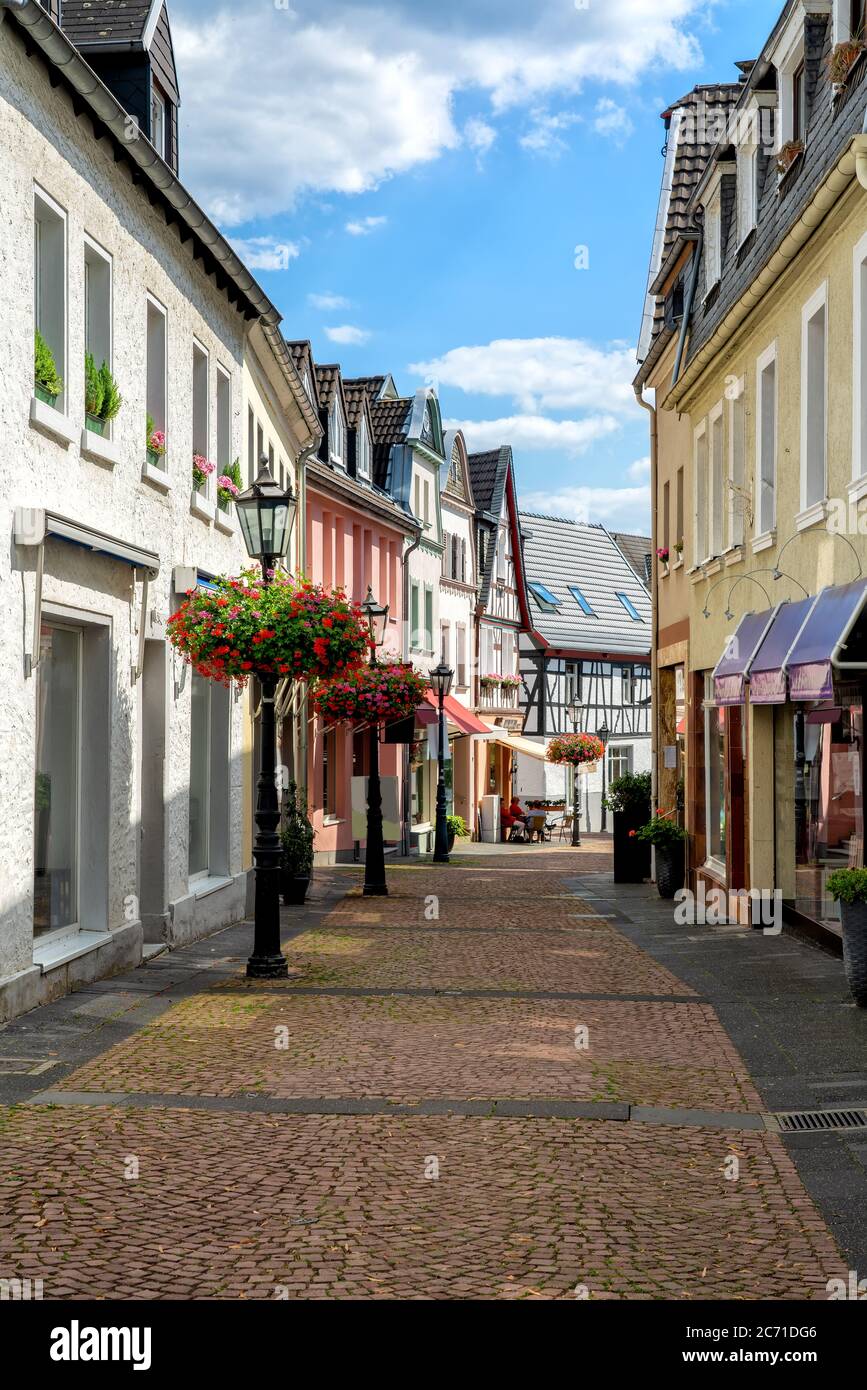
455 712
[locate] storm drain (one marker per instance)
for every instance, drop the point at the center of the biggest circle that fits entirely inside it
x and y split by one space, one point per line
812 1121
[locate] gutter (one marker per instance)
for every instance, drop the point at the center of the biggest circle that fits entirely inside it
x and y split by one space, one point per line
853 163
654 592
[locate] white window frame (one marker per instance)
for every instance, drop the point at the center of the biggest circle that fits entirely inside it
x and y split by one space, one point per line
765 521
337 434
199 349
58 341
716 537
95 253
737 462
223 416
160 105
713 240
816 304
362 444
153 303
748 170
700 539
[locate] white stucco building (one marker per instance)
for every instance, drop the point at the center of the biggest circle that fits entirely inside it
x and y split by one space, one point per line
121 773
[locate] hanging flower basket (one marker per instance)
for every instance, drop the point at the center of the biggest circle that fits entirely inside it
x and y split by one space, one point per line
287 628
370 694
575 749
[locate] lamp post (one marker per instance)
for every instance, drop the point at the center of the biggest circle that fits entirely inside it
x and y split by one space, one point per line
603 735
575 712
266 515
441 683
375 885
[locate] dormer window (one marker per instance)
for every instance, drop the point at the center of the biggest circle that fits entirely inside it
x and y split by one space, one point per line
712 242
799 102
362 451
158 123
336 435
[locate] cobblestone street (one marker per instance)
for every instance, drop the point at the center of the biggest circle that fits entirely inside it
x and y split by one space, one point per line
479 1087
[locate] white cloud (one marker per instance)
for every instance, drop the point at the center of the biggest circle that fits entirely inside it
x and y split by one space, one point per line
612 120
540 373
336 96
535 432
327 302
365 225
545 134
639 471
266 252
348 335
624 508
479 135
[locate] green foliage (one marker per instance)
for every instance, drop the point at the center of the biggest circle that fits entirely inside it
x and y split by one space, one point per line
296 834
848 885
631 792
94 391
457 826
112 400
665 834
233 471
45 368
150 426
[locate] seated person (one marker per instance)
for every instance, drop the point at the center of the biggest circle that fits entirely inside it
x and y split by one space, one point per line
518 819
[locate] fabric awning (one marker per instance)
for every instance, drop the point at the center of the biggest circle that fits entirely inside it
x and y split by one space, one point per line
456 714
767 670
728 676
517 742
822 639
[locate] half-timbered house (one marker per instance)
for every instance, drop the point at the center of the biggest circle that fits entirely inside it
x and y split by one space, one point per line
589 636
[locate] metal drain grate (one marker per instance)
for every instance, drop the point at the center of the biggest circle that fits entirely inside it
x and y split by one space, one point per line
808 1121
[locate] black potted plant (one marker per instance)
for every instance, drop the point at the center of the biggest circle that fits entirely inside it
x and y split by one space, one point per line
667 838
629 799
455 825
848 887
296 843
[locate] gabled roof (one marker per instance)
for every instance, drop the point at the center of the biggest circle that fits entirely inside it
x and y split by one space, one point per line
638 551
116 22
377 387
355 396
328 385
558 553
488 473
390 420
301 352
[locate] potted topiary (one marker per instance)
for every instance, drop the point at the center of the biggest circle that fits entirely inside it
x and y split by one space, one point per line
629 799
48 383
667 838
102 400
229 484
848 887
456 825
296 849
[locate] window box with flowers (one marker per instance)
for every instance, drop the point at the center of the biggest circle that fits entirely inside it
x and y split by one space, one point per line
787 155
200 504
154 467
289 629
228 487
841 61
510 682
489 682
663 556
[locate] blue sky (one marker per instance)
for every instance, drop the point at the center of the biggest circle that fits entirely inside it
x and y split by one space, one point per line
410 183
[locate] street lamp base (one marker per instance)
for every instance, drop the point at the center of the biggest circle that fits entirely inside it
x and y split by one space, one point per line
267 968
372 890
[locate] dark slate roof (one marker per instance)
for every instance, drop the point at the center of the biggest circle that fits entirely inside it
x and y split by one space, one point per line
638 551
371 384
105 21
558 553
327 383
830 127
355 394
390 421
488 478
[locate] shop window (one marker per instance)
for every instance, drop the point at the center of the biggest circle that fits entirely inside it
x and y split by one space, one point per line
766 438
814 385
57 799
714 755
49 272
156 364
828 800
419 793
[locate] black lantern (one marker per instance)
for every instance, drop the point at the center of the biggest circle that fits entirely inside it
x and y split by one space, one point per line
441 683
575 710
377 619
266 514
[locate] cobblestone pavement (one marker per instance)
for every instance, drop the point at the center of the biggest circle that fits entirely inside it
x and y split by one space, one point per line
393 1120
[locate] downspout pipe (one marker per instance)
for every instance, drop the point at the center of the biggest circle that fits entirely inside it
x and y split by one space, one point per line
687 313
654 610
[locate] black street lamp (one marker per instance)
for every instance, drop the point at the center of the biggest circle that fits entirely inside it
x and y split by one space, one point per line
603 735
375 885
575 712
441 683
267 514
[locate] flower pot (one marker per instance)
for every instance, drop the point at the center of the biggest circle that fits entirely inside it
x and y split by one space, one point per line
854 921
631 855
293 887
155 460
669 871
451 840
42 394
96 424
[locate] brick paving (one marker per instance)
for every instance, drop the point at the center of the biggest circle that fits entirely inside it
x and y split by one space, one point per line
139 1200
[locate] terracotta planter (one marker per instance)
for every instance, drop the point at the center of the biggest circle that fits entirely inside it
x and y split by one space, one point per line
854 920
669 871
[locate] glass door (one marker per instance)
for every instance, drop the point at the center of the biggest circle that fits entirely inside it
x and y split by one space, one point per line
58 777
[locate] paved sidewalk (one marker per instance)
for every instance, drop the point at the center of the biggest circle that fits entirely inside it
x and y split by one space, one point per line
499 1082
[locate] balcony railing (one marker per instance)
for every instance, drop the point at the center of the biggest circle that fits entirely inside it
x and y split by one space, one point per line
498 697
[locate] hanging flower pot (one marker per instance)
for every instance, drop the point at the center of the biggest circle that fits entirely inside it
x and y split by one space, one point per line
287 628
841 60
370 694
575 750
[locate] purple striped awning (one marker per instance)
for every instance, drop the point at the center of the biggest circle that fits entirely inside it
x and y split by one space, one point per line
728 676
814 651
767 673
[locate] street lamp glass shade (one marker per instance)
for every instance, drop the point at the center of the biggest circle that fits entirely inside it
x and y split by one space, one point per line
377 618
576 709
266 515
441 679
604 733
